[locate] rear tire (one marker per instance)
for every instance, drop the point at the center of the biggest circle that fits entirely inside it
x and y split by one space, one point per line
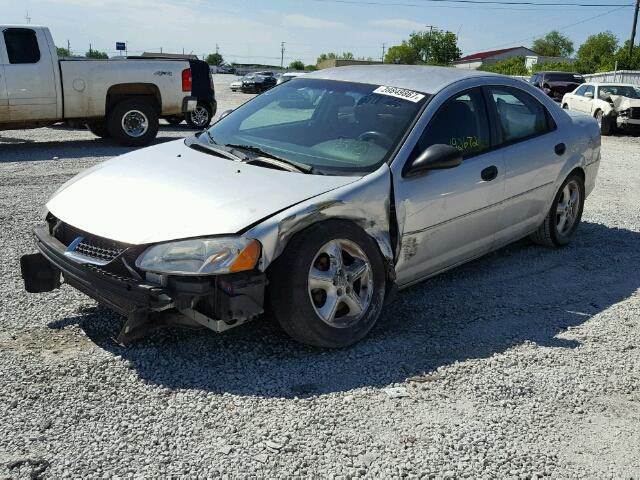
201 117
133 122
99 128
324 299
565 106
564 216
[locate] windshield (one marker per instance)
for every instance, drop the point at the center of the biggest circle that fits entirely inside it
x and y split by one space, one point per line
623 90
335 127
564 77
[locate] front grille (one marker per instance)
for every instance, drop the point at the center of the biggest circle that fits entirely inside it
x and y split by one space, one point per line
634 113
88 248
91 246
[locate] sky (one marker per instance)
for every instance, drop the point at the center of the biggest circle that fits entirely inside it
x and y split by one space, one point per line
247 31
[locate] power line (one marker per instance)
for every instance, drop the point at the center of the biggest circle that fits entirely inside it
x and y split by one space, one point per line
558 28
475 4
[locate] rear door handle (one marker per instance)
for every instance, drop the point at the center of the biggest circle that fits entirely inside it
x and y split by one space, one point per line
489 173
560 149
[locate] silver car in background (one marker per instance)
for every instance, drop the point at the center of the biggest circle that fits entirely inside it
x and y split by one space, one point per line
320 198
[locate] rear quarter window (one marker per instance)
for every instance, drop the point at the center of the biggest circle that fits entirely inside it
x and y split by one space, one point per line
22 45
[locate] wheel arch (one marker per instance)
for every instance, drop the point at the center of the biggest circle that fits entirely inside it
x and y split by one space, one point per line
365 202
121 91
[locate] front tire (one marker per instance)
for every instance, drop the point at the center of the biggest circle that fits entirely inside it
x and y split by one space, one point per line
604 122
133 122
327 288
562 221
200 118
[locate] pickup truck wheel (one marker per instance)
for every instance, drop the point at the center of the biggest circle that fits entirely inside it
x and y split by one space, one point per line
200 118
133 122
174 120
99 128
563 218
327 288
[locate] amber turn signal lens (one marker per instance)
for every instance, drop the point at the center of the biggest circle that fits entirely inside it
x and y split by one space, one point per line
247 258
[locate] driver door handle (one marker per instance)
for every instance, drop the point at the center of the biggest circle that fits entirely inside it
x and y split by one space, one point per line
489 173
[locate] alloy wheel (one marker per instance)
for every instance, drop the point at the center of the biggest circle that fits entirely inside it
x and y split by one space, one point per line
567 209
340 283
200 116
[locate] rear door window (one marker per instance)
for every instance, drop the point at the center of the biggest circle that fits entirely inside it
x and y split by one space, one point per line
520 115
22 45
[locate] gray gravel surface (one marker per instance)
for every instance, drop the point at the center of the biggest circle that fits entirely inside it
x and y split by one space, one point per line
522 364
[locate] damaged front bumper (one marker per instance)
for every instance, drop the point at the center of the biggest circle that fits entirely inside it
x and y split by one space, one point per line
216 302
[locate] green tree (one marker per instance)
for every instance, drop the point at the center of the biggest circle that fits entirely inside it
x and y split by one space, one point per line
63 52
596 54
296 65
625 62
553 44
310 68
435 47
334 56
554 67
402 54
509 66
96 54
214 59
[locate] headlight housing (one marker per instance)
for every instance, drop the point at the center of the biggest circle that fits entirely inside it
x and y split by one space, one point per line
201 256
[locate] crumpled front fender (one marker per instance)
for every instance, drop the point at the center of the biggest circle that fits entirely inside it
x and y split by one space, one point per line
365 202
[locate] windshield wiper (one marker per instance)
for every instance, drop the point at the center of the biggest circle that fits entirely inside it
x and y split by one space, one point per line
217 149
302 167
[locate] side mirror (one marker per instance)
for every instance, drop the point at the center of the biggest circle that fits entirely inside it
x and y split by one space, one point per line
588 94
224 114
436 157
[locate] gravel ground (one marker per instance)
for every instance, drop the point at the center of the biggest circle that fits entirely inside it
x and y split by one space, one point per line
522 364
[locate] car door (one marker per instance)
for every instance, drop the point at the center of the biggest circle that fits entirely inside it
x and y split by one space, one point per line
533 152
29 75
579 102
4 99
446 217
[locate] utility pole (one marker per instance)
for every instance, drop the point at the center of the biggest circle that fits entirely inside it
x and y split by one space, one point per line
431 27
89 49
384 46
217 49
282 55
633 29
27 17
69 47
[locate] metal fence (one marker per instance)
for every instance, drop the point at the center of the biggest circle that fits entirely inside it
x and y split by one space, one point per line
621 76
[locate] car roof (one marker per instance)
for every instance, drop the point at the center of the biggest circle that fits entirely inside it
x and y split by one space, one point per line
420 78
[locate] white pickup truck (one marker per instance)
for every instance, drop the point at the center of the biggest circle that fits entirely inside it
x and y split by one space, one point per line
122 98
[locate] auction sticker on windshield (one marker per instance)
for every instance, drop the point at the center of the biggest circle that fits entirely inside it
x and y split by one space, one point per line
400 93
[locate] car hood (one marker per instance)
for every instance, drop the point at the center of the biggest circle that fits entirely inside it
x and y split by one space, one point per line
622 103
171 191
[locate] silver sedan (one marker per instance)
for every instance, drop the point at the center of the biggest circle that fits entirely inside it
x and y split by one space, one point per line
320 198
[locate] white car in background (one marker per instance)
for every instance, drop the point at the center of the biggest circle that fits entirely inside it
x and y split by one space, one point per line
613 105
236 84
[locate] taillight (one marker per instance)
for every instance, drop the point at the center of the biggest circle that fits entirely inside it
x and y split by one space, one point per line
213 88
186 80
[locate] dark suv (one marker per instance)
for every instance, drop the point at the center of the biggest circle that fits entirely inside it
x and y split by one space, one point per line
556 84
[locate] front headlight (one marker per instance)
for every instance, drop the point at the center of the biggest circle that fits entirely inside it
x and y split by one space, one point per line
201 256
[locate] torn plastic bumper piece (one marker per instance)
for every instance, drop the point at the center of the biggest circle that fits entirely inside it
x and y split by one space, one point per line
217 302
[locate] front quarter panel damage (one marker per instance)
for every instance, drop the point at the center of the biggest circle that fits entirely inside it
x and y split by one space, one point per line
365 202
